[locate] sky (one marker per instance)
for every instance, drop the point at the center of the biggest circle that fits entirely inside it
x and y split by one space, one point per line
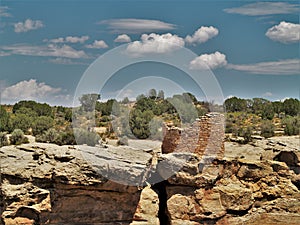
53 51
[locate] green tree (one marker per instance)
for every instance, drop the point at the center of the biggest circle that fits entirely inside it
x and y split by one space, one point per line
139 123
22 122
4 120
125 100
277 106
42 124
291 106
235 104
41 109
88 101
258 105
267 111
27 111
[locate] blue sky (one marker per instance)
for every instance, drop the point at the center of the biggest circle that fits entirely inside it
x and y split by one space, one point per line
250 47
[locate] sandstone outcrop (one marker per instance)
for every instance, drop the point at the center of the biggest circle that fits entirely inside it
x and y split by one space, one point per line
49 184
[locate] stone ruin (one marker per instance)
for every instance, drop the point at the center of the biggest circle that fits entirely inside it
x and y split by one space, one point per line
204 137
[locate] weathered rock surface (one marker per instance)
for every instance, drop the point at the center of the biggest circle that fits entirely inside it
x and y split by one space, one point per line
48 184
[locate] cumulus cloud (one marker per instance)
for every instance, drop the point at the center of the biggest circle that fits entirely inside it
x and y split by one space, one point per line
28 25
136 25
202 35
81 39
265 8
282 67
97 44
155 43
212 61
50 50
284 32
3 11
123 38
29 90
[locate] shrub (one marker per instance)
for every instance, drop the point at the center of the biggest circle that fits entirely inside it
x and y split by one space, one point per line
246 133
3 139
41 124
50 136
291 125
123 141
17 137
86 137
57 137
267 129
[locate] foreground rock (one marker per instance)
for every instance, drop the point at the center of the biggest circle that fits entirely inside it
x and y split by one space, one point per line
48 184
235 190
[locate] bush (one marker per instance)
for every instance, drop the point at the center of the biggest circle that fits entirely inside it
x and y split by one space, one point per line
123 141
17 137
57 137
41 124
50 136
291 125
245 132
3 139
267 129
86 137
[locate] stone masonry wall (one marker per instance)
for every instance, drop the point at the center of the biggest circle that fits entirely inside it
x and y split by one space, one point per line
203 137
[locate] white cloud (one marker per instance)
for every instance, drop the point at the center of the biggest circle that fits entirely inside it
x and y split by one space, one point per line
56 40
3 53
28 89
28 25
203 34
50 50
137 25
81 39
205 61
155 43
65 61
97 44
265 8
282 67
284 32
123 38
69 39
268 94
3 11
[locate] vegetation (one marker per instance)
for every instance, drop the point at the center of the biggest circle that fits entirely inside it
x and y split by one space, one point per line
3 139
267 129
17 137
142 118
123 141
